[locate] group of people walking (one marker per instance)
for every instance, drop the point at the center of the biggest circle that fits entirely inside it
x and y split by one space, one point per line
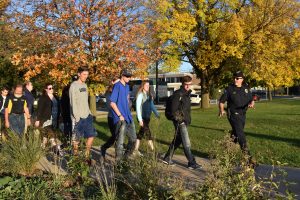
17 110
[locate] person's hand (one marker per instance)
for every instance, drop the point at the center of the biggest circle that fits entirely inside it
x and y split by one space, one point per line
251 105
7 124
122 118
28 122
37 124
222 113
141 123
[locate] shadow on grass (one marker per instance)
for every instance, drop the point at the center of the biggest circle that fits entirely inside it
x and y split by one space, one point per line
209 128
102 135
295 142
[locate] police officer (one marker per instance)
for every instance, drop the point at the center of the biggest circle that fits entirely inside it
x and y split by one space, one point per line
239 99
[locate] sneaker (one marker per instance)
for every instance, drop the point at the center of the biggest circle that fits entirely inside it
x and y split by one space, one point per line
194 166
170 163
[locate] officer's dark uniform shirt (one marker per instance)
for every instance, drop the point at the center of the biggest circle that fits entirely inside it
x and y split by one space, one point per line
237 98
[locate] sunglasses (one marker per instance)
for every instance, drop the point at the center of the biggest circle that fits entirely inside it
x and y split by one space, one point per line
238 78
50 88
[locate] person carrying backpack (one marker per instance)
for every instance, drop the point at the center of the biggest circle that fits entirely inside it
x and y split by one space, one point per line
144 108
178 109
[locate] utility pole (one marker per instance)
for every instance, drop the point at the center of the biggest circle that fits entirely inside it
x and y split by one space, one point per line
156 80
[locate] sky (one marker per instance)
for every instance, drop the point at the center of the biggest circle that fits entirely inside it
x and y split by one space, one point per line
186 67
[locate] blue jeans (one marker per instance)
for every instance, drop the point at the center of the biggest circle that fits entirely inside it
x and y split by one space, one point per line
122 128
181 137
17 123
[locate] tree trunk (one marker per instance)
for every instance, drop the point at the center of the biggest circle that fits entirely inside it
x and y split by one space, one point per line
269 94
93 104
204 91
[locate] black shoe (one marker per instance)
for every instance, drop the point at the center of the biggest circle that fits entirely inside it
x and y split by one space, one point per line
194 166
170 163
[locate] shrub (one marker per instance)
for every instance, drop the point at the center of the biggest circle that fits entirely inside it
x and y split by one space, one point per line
20 154
231 177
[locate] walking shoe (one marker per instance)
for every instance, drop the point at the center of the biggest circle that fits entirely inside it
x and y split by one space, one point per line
194 166
170 163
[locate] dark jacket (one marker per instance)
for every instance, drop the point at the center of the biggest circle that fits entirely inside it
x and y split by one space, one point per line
238 98
181 102
65 104
30 100
44 109
1 103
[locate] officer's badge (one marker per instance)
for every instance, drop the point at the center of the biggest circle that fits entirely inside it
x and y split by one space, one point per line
246 90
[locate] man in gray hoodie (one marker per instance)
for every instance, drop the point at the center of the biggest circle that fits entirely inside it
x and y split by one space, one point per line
80 111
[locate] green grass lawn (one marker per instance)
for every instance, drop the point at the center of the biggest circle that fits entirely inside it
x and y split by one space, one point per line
272 130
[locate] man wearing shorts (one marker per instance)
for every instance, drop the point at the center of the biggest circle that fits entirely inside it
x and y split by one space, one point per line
80 111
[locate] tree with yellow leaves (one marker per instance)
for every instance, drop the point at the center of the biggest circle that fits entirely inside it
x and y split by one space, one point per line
210 34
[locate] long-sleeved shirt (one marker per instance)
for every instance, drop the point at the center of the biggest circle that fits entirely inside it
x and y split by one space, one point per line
79 104
144 107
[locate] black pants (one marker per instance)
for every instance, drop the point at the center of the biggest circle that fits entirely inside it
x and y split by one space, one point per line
237 122
113 137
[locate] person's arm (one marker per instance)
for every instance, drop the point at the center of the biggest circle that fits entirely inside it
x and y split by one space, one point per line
221 109
7 110
27 114
176 102
251 101
222 101
138 109
74 107
113 98
154 109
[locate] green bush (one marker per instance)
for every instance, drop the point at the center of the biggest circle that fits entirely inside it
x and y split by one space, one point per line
231 177
20 154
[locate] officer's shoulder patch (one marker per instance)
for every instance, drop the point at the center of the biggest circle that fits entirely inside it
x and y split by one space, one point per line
246 90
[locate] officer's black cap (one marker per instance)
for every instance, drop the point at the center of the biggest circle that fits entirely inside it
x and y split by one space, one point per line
126 72
238 74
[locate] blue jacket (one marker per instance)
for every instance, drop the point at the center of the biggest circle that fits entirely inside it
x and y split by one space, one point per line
144 107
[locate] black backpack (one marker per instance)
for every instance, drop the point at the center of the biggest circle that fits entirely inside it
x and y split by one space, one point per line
168 110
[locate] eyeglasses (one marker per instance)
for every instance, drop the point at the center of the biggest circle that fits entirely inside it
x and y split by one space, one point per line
50 88
238 78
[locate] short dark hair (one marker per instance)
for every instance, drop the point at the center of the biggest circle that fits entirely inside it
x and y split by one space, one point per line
82 69
27 83
4 88
186 79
